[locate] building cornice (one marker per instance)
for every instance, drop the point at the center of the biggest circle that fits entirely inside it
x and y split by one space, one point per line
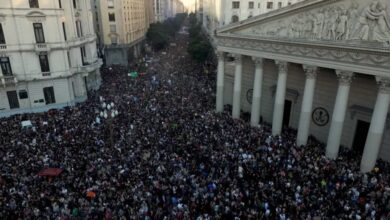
49 46
362 60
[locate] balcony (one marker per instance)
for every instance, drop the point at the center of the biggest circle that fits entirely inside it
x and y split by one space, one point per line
75 42
42 47
46 74
89 66
8 80
3 47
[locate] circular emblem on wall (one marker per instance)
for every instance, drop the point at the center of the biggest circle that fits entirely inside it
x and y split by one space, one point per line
249 95
320 116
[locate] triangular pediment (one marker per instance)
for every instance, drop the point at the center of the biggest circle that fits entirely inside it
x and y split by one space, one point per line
362 22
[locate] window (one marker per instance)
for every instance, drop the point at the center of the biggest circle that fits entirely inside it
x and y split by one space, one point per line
5 66
2 38
289 3
64 30
236 4
111 16
79 29
44 62
60 3
74 4
251 5
110 3
83 55
258 5
270 5
38 31
48 92
69 60
13 99
114 40
279 4
112 28
33 3
234 18
23 94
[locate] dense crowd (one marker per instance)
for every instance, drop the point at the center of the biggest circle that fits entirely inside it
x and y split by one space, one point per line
174 158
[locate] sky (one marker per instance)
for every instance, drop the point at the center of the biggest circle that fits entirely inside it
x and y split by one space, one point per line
188 3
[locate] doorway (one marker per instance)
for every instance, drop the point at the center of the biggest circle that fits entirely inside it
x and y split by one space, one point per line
48 92
86 85
13 99
360 136
287 113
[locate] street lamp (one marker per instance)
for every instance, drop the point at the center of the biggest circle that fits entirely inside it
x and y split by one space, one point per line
108 112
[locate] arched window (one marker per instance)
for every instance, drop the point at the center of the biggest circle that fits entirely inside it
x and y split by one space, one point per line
235 18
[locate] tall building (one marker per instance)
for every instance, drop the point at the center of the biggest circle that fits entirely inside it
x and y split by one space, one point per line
158 9
321 67
164 9
48 54
149 17
218 13
121 27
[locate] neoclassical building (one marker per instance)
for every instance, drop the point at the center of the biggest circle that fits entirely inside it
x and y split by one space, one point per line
320 66
218 13
48 55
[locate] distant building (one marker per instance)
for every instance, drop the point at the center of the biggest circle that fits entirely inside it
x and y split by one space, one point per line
164 9
48 55
121 27
218 13
149 17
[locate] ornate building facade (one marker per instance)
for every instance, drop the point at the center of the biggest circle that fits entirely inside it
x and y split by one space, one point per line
164 9
218 13
321 67
121 27
48 54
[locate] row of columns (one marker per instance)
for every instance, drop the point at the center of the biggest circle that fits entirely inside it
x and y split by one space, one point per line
378 121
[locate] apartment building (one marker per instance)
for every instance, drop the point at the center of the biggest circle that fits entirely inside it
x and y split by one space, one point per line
48 54
121 27
218 13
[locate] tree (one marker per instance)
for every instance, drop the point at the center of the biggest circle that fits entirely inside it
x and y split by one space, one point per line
199 47
157 35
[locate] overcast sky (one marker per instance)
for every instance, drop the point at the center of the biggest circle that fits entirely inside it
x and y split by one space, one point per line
188 2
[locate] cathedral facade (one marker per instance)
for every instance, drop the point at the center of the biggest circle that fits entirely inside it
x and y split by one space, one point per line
321 67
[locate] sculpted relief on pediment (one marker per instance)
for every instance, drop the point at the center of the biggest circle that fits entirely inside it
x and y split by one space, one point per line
354 20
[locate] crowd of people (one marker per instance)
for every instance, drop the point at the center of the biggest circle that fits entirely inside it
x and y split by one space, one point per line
173 157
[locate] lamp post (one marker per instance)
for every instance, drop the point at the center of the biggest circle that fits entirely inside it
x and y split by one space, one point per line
108 112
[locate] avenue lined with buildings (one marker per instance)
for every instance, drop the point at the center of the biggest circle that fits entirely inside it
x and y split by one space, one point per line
173 157
287 120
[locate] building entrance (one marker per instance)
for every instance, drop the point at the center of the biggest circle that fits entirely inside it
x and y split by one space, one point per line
287 113
360 136
13 99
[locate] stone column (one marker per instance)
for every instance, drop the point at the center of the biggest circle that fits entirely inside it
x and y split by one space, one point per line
307 104
220 81
257 87
237 87
279 98
336 127
377 126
